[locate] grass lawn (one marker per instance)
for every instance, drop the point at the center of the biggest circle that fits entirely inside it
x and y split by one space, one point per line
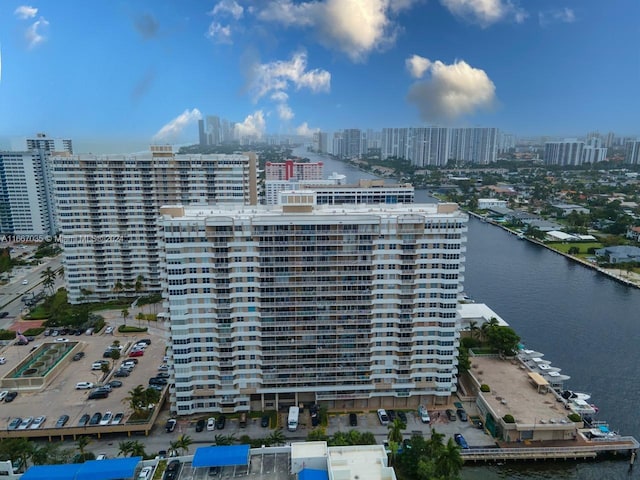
582 247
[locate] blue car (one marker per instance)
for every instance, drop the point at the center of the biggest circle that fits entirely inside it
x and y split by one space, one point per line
459 439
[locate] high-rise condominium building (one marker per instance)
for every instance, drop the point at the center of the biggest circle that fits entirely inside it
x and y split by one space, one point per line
593 151
352 143
355 306
474 145
428 146
567 152
26 202
632 152
108 209
291 170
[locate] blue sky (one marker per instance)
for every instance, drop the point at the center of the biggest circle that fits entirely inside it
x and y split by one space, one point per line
137 72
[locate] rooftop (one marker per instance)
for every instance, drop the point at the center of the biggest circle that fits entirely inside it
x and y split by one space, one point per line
512 392
363 462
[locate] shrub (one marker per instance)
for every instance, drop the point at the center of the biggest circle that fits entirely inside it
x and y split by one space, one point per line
130 329
32 332
508 418
575 418
7 335
485 388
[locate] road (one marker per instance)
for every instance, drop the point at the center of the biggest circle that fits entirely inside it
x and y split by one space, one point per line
12 292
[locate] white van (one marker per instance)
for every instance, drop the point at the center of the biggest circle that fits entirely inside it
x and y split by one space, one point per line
424 414
292 420
383 417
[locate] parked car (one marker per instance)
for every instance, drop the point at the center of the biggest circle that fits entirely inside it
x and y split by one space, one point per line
38 422
25 423
391 414
164 367
462 414
97 394
62 339
315 416
220 422
145 340
102 456
145 473
4 314
460 440
157 381
171 425
10 397
424 414
403 417
136 353
106 418
3 360
122 373
211 424
117 418
213 471
108 330
62 421
98 365
95 419
353 420
115 383
451 415
200 425
14 424
172 470
78 356
84 385
163 375
25 282
383 417
3 394
264 421
84 420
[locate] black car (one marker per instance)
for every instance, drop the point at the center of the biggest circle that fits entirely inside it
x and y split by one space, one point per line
157 381
403 417
78 356
10 396
4 314
122 373
200 425
220 421
115 383
315 416
264 421
145 340
391 414
62 421
353 420
84 419
172 470
451 415
95 420
462 414
163 375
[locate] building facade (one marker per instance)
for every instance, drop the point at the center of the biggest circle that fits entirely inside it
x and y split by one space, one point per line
108 208
567 152
632 152
352 305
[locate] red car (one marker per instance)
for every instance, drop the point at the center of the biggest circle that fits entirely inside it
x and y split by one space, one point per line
136 353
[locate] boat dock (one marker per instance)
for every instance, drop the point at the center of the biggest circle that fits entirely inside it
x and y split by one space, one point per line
621 445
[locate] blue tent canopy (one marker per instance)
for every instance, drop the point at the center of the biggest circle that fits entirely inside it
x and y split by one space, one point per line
222 456
311 474
92 470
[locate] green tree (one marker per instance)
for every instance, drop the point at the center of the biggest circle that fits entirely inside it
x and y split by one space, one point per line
137 449
140 317
81 444
115 355
125 314
183 443
503 339
276 437
395 431
136 400
139 283
48 279
318 434
124 447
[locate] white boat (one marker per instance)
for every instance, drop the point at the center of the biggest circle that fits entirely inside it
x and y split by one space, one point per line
571 395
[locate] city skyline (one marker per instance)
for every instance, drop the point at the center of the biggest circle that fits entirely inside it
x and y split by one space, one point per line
146 73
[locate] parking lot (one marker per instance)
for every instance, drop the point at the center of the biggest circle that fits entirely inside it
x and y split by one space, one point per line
60 396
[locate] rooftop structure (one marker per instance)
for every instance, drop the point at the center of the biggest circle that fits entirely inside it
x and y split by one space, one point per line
361 461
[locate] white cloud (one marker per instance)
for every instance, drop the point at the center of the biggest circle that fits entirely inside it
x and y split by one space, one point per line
284 112
279 75
279 97
452 91
305 130
34 33
563 15
485 12
253 126
219 33
25 11
355 27
417 65
172 130
230 7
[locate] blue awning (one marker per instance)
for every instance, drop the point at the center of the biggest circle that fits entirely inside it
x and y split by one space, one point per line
92 470
108 469
311 474
222 456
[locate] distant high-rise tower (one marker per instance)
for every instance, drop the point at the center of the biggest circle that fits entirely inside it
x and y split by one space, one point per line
566 152
593 152
632 152
428 146
474 145
352 141
394 142
202 136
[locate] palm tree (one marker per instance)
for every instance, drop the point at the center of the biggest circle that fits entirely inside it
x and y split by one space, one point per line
124 448
140 317
225 439
81 444
449 462
395 431
393 451
125 314
48 278
135 399
117 287
183 443
276 437
138 284
473 329
137 449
